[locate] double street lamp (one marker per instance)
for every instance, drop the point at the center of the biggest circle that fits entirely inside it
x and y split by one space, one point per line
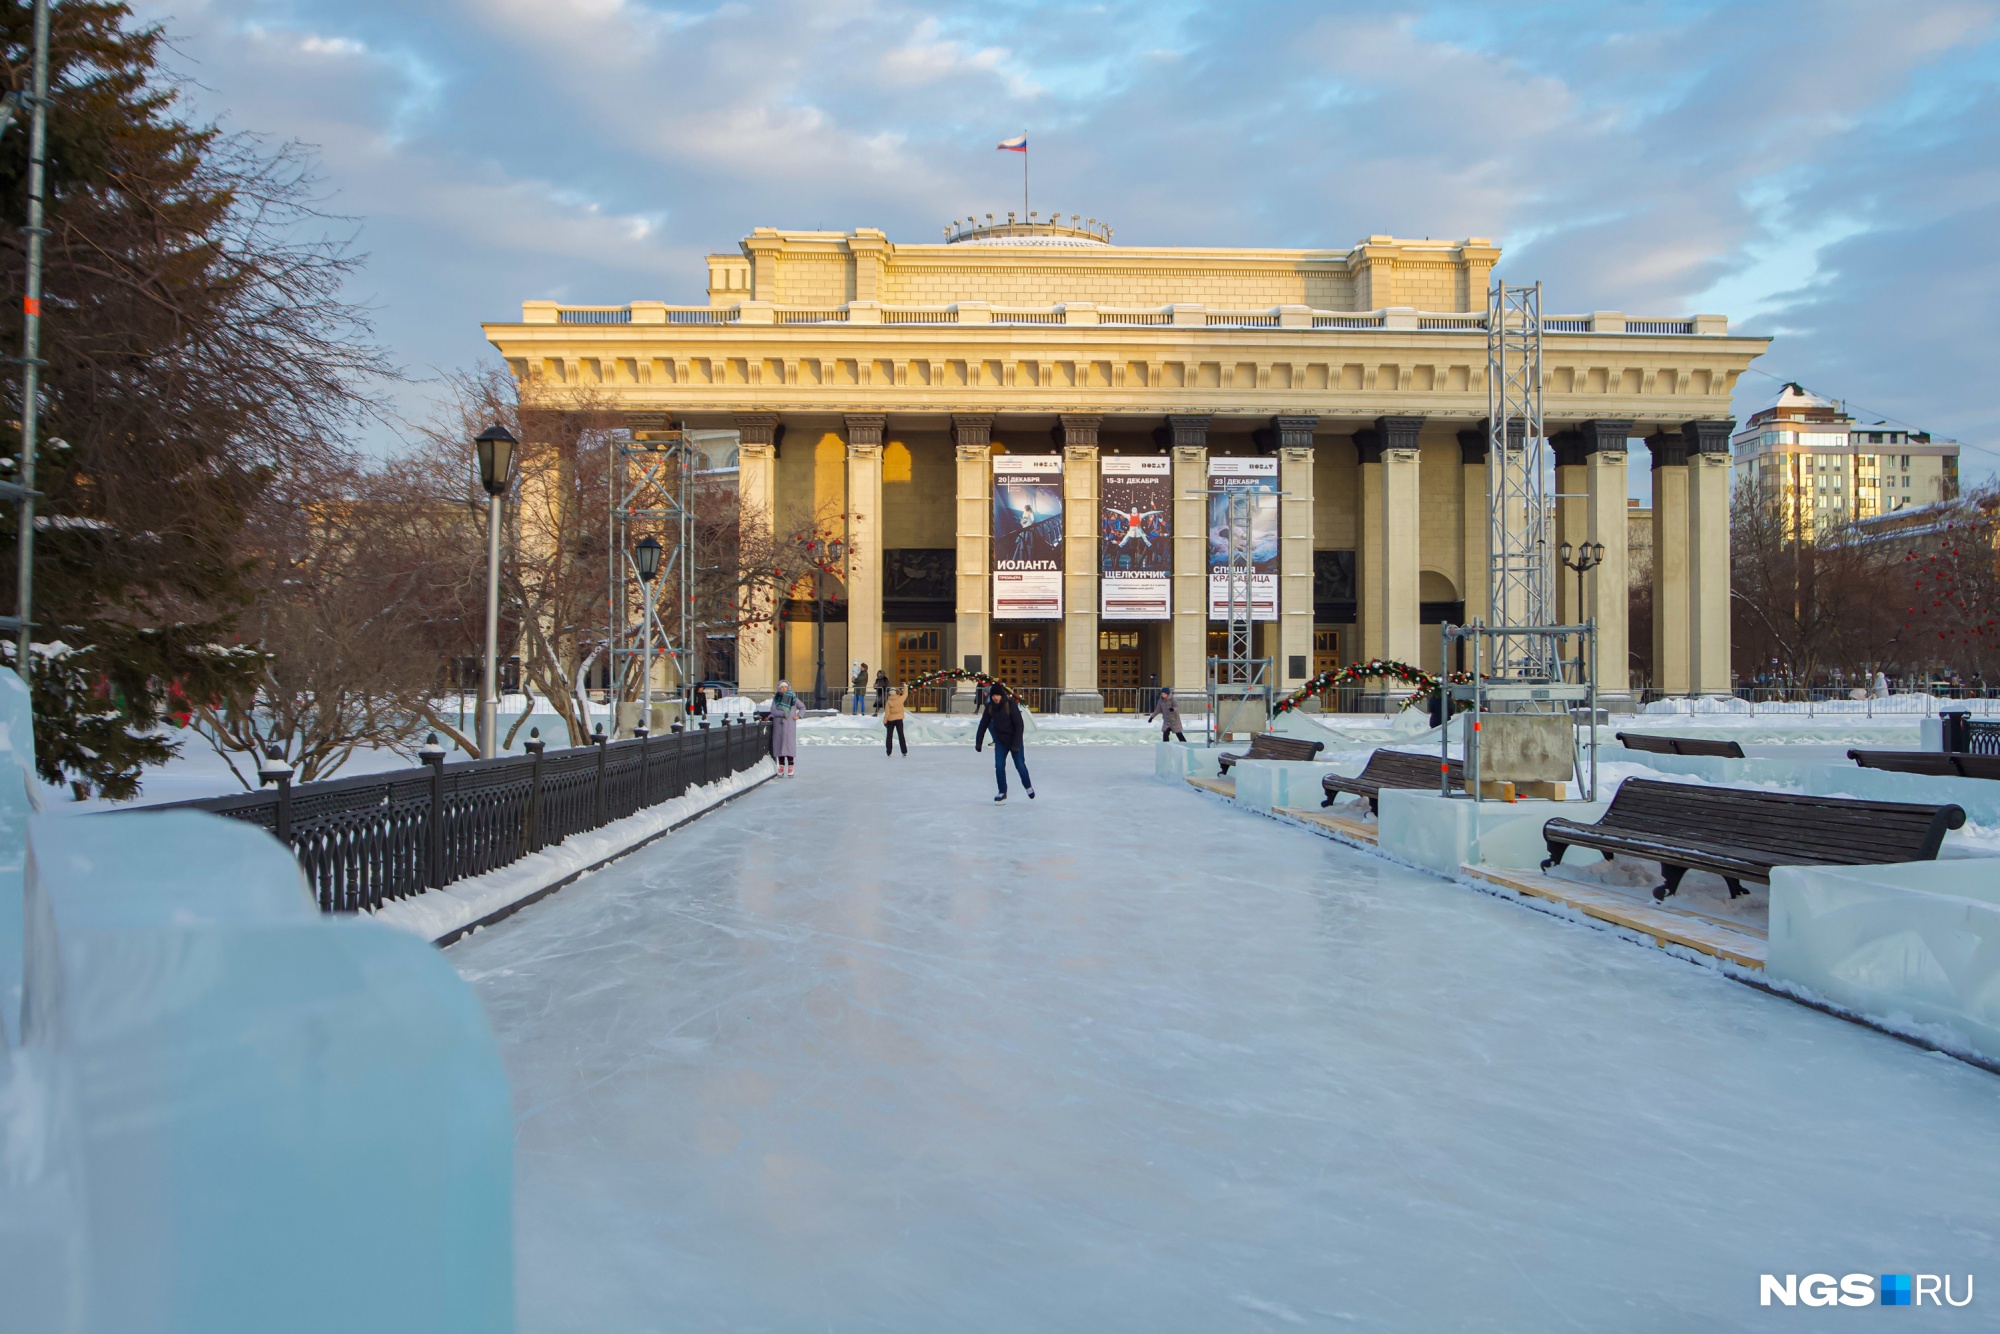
495 449
646 560
1589 555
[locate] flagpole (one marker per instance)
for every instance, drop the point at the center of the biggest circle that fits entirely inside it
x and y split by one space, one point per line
1024 185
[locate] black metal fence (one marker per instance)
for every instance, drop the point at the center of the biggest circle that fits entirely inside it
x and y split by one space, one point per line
387 836
1966 735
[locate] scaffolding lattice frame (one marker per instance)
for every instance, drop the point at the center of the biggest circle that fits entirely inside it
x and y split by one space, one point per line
1519 488
648 487
1237 675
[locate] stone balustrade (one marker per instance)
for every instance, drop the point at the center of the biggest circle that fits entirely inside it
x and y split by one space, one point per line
1088 314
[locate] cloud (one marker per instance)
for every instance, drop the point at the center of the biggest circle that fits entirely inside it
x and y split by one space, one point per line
1824 170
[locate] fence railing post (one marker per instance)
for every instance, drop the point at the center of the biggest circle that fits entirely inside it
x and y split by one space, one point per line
597 806
645 735
531 836
432 755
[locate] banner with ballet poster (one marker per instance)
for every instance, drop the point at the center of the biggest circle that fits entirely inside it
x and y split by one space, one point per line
1027 537
1135 540
1259 477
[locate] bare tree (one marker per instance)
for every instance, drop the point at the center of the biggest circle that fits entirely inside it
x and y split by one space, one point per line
343 614
1806 604
1952 589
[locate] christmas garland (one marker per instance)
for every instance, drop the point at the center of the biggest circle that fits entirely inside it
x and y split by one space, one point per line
1423 683
948 675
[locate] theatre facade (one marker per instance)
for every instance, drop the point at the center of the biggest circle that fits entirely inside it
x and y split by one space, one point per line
1026 435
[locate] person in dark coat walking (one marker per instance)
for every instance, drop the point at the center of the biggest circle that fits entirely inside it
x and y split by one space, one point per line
881 691
1002 719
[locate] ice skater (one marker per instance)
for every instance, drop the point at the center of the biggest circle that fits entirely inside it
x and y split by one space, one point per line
1002 718
892 720
1169 714
786 710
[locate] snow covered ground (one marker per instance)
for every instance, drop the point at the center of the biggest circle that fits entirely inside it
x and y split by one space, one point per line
864 1051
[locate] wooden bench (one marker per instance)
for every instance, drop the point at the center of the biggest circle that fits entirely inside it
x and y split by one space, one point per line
1740 834
1271 746
1390 768
1936 763
1654 743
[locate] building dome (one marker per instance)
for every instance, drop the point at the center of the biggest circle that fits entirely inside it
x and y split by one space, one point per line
1036 231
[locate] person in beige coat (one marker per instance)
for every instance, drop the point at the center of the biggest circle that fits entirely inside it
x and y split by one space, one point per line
892 721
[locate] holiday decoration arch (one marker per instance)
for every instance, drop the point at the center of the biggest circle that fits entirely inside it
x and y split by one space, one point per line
1422 683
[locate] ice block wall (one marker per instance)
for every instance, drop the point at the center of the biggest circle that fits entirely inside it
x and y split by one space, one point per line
1916 945
226 1112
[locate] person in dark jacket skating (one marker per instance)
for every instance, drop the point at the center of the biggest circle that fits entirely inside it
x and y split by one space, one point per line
1002 718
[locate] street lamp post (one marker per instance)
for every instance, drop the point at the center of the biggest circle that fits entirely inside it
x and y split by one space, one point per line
1589 555
646 559
831 553
495 449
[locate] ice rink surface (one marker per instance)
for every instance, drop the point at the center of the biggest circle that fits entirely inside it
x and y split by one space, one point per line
863 1051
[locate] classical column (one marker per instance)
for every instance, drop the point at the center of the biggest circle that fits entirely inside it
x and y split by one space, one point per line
1293 437
1708 555
1476 573
1572 519
1607 590
1368 549
1672 668
756 505
1401 618
864 543
1187 666
1076 437
972 436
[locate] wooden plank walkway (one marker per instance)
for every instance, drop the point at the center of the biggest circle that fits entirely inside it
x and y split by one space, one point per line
1347 828
1737 942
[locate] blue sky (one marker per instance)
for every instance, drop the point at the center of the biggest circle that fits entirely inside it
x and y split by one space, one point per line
1828 173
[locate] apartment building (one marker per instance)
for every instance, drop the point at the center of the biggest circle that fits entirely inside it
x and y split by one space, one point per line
1827 469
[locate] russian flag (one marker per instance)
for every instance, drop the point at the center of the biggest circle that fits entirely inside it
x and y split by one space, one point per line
1018 144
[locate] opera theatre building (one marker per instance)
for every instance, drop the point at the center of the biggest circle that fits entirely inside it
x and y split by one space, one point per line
1029 436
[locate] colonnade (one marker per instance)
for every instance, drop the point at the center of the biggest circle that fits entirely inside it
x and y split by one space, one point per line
1690 543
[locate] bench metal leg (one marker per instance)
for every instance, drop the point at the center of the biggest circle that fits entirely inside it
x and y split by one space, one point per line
1673 876
1324 804
1555 853
1736 890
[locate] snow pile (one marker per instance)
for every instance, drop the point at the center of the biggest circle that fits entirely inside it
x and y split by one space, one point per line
1919 706
438 913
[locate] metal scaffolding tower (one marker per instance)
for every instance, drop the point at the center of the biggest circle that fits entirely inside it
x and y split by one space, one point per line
1239 684
1519 485
650 479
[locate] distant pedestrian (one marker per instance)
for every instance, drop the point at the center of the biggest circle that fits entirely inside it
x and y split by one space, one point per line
980 692
892 720
1002 718
1169 714
786 710
860 683
881 690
